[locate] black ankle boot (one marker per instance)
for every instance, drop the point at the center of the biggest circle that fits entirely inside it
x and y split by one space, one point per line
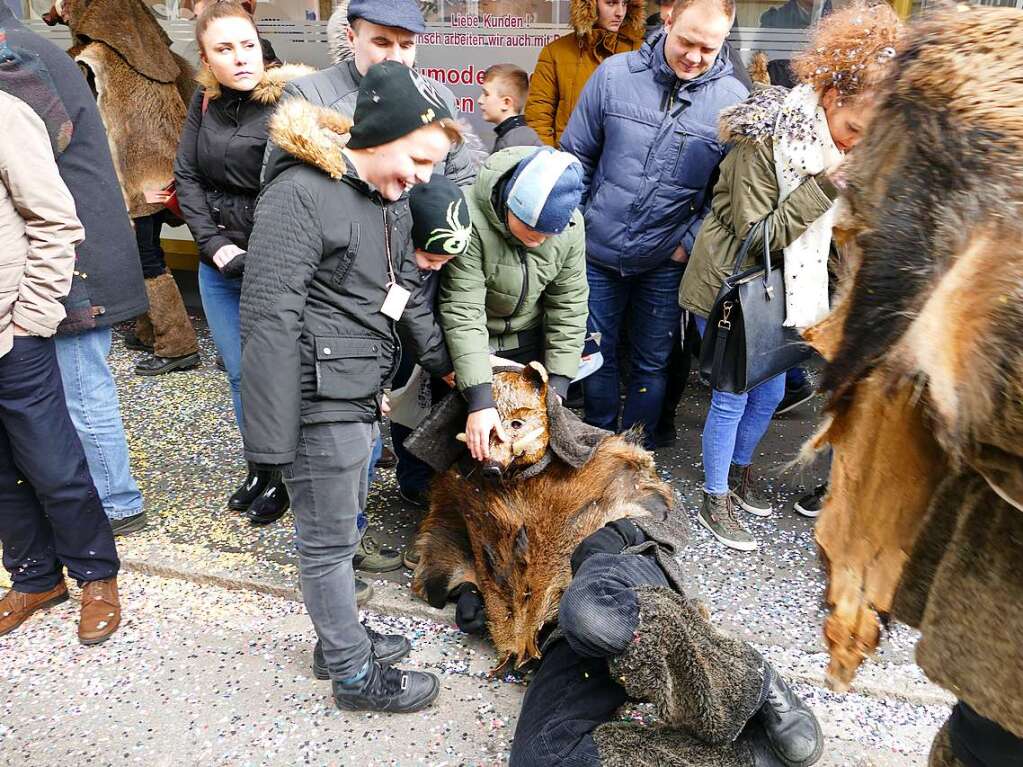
790 725
385 688
271 504
388 649
249 490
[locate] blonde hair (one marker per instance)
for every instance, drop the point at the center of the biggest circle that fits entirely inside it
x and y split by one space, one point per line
220 9
851 50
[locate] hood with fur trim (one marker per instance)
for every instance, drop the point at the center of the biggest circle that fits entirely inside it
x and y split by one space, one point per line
267 91
337 34
310 134
583 15
753 119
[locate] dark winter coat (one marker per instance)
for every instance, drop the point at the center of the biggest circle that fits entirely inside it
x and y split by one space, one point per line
515 132
220 157
336 88
315 346
107 286
649 147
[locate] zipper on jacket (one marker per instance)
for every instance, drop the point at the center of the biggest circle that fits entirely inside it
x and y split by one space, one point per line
396 360
522 295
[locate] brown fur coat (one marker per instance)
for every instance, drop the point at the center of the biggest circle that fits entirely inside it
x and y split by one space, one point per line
142 90
925 372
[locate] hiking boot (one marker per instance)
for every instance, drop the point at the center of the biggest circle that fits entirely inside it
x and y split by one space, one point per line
157 366
374 557
363 592
410 558
794 397
388 649
718 515
127 525
17 606
248 491
272 504
101 611
790 725
388 689
136 344
387 459
745 491
418 498
810 505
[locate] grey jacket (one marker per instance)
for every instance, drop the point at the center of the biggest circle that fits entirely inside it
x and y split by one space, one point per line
315 346
515 132
336 88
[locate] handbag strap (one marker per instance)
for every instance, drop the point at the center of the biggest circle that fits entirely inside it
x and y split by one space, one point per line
721 341
763 225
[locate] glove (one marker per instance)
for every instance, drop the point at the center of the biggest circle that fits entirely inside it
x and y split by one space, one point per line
612 538
469 611
230 260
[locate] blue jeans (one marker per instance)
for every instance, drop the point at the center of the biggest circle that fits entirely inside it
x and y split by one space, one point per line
91 397
735 425
650 300
220 297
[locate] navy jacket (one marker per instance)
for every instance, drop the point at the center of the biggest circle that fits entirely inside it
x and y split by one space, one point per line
107 286
649 147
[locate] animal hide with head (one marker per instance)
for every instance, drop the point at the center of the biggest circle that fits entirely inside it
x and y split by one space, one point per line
513 534
925 345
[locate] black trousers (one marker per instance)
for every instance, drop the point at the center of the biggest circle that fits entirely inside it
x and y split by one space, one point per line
979 742
50 513
147 236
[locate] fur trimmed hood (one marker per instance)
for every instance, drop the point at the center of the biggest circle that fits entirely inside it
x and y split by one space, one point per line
267 91
337 34
583 15
753 119
315 135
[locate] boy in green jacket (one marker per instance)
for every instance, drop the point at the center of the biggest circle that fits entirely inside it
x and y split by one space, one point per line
520 290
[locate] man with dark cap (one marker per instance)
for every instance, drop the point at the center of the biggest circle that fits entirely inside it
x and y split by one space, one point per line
329 278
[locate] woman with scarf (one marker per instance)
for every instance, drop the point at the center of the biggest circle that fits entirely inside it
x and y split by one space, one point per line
785 166
216 174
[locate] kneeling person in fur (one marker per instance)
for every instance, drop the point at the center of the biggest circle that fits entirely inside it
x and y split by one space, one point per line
564 549
330 272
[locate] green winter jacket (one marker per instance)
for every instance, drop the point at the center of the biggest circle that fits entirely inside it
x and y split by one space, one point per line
746 192
499 289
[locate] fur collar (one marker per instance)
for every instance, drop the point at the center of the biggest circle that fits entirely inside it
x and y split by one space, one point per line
584 22
267 91
315 135
755 118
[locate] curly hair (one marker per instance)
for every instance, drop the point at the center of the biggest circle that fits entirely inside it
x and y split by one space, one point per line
851 50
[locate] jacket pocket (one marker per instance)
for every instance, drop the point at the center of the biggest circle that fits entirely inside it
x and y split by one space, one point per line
346 259
347 368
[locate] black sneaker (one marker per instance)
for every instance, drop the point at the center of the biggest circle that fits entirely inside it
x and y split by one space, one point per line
271 505
810 505
126 525
249 490
157 366
790 725
387 648
794 397
388 689
418 498
746 491
717 514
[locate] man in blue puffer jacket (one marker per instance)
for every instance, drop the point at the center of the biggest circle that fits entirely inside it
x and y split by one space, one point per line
645 130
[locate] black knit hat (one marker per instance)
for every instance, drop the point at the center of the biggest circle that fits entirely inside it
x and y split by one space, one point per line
440 219
393 101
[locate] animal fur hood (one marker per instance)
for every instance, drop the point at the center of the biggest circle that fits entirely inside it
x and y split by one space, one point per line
337 34
583 16
312 135
268 90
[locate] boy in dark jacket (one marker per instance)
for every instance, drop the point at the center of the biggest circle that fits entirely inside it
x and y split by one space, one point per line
504 91
330 273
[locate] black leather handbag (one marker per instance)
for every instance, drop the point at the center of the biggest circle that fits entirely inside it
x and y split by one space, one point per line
745 342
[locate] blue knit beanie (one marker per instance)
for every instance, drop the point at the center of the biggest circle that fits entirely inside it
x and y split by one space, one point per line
545 190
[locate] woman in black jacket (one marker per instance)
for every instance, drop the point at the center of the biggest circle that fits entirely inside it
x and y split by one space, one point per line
217 179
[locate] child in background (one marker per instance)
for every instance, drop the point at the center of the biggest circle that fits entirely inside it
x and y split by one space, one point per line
505 88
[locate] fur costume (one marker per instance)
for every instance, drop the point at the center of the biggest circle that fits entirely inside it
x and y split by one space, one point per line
514 537
925 369
142 90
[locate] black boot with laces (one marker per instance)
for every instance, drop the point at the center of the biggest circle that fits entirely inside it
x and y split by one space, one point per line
387 689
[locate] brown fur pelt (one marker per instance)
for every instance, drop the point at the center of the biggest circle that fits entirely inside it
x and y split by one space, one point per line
925 344
514 537
758 69
583 15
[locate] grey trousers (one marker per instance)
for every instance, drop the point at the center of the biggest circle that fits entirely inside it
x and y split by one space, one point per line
327 485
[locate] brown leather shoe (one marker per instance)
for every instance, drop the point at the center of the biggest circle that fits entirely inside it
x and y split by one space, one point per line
101 611
17 606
